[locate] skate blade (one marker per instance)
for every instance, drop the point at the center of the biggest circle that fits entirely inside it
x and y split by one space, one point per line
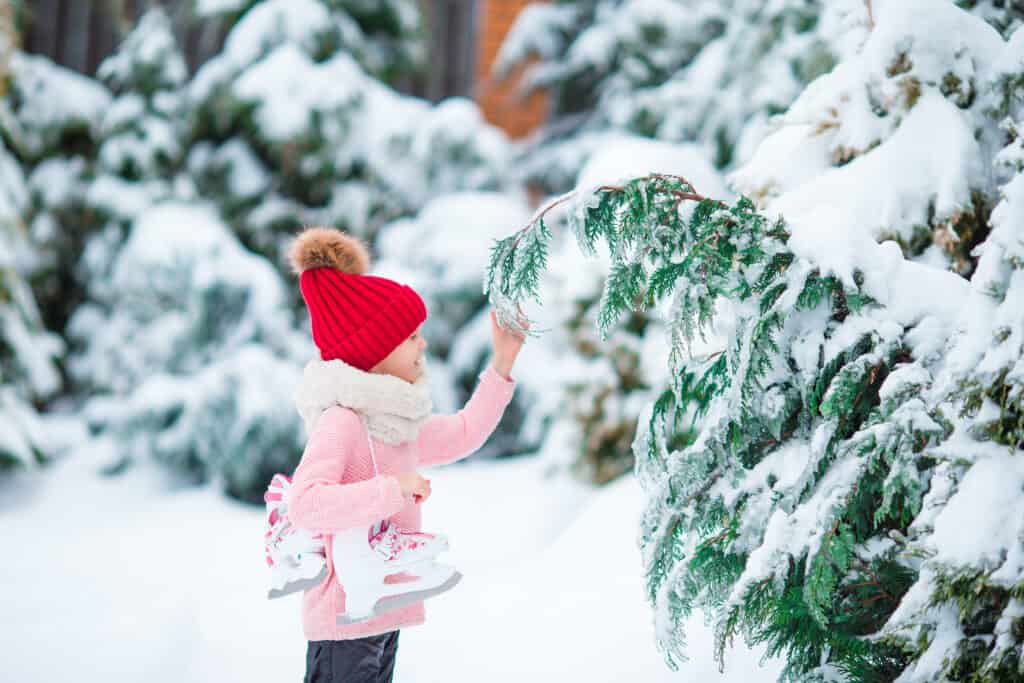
296 586
393 602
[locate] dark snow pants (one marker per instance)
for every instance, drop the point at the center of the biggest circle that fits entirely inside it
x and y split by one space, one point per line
363 660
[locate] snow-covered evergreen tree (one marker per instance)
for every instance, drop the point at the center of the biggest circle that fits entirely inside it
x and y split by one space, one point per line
186 348
754 505
140 143
141 134
963 616
864 135
841 479
292 128
51 123
384 36
28 354
679 70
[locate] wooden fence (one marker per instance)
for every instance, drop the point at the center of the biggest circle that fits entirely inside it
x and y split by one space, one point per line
80 33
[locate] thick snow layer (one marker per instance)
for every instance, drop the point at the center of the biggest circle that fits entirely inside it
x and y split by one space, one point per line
974 351
53 98
173 234
151 46
205 8
136 580
617 159
284 112
623 157
534 32
276 22
989 502
881 192
179 260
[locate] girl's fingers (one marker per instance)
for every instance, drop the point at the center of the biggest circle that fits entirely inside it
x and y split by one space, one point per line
522 319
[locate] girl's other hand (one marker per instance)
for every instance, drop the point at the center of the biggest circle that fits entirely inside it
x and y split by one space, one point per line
414 485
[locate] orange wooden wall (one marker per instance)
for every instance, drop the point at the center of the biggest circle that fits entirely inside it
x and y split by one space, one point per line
500 101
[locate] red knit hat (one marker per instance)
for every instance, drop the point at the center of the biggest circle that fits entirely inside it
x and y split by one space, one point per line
356 318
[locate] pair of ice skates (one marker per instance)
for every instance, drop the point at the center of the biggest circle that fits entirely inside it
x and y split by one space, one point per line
382 568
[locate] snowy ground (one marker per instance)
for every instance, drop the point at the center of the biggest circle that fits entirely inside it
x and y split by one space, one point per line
121 580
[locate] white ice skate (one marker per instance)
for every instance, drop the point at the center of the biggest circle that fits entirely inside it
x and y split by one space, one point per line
295 556
364 558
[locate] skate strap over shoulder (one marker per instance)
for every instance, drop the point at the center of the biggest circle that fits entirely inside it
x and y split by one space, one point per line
369 442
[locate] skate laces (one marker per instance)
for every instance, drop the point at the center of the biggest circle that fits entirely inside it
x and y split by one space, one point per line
391 542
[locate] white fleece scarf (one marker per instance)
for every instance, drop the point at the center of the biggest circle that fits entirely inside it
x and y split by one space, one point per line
394 409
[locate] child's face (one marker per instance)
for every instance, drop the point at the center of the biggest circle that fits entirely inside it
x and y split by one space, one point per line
406 360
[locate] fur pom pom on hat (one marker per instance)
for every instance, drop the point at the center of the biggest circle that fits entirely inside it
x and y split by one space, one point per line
355 318
328 248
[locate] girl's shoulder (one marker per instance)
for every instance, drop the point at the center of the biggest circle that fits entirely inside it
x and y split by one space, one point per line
340 419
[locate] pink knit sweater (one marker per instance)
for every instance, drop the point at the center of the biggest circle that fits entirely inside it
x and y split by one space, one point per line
334 488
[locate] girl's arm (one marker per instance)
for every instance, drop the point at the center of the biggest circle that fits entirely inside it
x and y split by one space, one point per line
446 438
318 502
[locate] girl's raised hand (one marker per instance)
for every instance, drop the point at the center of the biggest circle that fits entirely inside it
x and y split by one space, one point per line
507 344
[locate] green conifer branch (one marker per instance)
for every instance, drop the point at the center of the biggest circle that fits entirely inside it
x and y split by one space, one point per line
803 370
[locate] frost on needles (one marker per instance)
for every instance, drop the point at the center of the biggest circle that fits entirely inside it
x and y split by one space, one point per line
787 475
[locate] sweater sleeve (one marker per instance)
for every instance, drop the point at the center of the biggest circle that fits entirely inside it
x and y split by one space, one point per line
446 438
318 501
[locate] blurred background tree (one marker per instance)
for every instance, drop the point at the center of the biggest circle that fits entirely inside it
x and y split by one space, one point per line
154 185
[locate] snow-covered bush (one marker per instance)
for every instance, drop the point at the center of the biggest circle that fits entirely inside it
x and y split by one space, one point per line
711 73
764 462
384 36
292 128
51 120
1005 15
96 156
140 142
964 616
141 131
864 134
28 354
841 479
50 110
187 347
30 376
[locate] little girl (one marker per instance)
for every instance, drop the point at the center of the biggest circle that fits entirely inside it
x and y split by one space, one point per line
371 372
